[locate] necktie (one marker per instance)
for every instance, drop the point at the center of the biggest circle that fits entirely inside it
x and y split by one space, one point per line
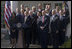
43 19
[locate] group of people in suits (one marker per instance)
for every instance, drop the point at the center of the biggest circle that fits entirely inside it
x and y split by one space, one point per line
44 26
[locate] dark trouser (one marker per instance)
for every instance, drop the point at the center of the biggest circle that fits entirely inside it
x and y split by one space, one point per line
34 33
38 36
27 35
17 32
61 37
55 39
34 36
43 38
49 39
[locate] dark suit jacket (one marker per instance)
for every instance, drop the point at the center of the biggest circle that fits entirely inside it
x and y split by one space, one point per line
54 24
38 22
45 24
28 23
19 18
63 22
35 16
67 18
34 22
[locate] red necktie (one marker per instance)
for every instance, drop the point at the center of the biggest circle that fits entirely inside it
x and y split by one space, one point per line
43 19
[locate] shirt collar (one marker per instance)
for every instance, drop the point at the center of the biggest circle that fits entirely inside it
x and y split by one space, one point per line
54 15
63 14
47 13
39 9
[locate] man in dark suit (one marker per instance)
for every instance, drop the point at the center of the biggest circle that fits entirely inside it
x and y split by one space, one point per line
64 20
54 25
49 34
34 25
27 28
49 13
62 27
22 15
32 35
17 13
43 26
67 18
38 28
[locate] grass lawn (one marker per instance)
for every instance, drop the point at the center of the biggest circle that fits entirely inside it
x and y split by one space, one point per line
67 44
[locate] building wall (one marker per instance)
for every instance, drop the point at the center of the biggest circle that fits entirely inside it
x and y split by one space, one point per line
35 3
68 33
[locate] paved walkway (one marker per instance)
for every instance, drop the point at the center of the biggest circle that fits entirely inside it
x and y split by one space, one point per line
6 44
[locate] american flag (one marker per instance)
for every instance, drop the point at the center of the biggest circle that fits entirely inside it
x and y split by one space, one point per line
7 12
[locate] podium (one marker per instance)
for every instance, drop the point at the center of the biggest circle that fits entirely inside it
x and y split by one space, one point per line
21 40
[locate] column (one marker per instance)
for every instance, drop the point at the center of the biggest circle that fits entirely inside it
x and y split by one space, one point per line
68 33
14 5
52 5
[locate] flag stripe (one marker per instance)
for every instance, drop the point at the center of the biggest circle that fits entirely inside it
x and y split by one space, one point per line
9 9
7 12
6 17
6 22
